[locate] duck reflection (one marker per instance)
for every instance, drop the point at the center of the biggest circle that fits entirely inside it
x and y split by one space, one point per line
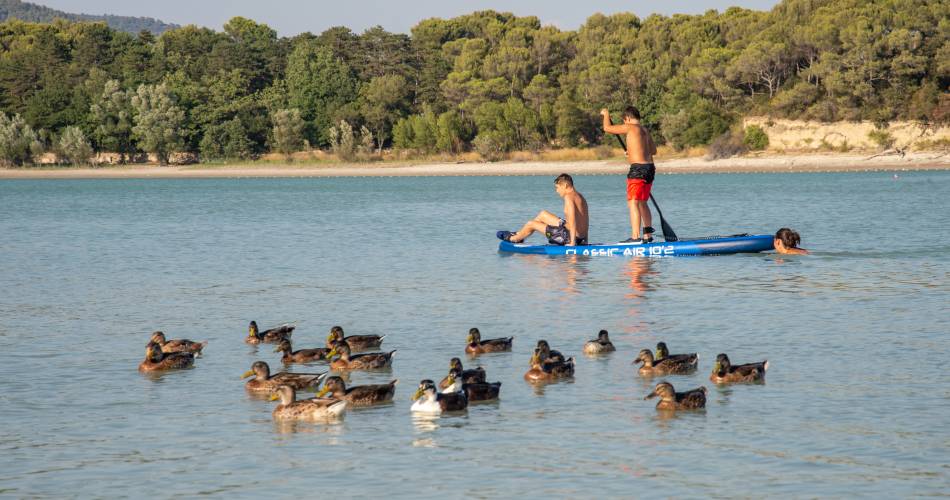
333 429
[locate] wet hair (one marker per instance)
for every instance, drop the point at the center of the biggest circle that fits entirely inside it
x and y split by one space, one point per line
789 238
564 179
631 112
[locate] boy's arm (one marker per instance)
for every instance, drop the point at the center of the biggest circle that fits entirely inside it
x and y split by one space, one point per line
570 220
609 127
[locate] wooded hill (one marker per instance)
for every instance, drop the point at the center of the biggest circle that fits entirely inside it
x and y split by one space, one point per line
25 11
488 81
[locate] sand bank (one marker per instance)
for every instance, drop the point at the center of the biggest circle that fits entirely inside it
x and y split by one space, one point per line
828 162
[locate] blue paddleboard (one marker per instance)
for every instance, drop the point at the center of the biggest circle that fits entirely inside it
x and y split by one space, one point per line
719 245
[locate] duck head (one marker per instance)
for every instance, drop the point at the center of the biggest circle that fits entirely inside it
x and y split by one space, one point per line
645 357
341 349
158 337
544 350
252 329
455 363
474 336
285 394
334 386
153 352
284 347
722 364
259 370
336 335
602 337
661 351
426 389
663 390
454 380
536 359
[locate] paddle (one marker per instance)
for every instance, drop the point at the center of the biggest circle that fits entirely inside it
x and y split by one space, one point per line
668 233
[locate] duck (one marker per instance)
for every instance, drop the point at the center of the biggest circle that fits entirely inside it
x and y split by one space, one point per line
156 360
302 355
307 409
599 345
672 400
360 395
276 334
177 345
464 376
364 361
427 400
665 366
263 381
726 373
662 352
550 370
356 342
474 391
548 355
478 346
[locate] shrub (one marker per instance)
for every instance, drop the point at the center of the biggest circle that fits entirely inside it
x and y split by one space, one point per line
226 141
288 131
882 138
74 147
726 146
695 125
342 141
755 138
491 145
19 143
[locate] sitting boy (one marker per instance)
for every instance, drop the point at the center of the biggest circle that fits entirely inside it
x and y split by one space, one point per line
569 231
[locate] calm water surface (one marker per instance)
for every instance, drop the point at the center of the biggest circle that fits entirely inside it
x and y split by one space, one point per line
857 400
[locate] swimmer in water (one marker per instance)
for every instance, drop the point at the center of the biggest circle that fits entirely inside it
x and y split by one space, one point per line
786 241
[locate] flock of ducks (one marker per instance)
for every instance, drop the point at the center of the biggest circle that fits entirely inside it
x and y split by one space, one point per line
453 393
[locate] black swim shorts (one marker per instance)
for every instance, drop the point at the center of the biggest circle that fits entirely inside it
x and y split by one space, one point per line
560 235
645 171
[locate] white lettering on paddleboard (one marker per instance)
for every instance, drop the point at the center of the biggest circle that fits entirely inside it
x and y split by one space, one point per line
654 251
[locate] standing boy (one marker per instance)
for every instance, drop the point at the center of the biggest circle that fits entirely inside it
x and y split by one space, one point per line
640 151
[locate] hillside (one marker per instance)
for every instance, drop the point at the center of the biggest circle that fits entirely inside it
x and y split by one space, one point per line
25 11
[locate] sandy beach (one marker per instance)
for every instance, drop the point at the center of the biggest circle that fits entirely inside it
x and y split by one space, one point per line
754 163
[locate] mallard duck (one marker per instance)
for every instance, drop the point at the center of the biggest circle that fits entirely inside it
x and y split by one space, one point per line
356 342
276 334
364 361
360 395
726 373
478 346
427 400
177 345
302 355
551 370
263 381
156 360
663 353
599 345
307 409
481 391
672 400
464 376
547 354
666 366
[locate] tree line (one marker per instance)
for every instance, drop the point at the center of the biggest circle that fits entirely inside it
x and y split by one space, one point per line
488 81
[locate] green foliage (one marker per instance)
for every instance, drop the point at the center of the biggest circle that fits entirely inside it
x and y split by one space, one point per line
319 85
287 135
755 138
19 144
74 147
226 141
111 116
157 121
882 138
383 101
15 9
342 141
695 125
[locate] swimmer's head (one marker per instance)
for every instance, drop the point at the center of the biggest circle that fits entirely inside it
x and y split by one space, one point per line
788 238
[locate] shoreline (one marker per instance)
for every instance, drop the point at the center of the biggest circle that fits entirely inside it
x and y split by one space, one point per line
748 164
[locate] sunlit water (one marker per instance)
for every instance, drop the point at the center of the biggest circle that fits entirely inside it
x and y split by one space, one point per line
857 399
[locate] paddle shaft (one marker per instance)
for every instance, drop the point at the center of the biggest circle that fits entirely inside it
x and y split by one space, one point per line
668 233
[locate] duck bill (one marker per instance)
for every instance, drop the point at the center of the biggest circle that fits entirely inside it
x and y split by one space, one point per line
277 349
331 354
418 394
469 339
322 392
717 367
274 397
247 374
651 395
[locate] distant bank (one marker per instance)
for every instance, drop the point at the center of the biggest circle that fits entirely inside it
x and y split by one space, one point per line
824 162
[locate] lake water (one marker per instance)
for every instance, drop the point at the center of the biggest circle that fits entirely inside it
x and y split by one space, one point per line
857 400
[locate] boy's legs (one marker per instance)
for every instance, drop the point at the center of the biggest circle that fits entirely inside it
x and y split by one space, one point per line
538 224
645 216
634 207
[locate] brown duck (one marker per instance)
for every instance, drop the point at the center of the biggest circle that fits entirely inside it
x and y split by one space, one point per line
600 345
177 345
360 395
726 373
663 353
263 381
307 409
552 370
356 342
547 354
478 346
672 400
156 360
364 361
465 376
302 355
665 366
276 334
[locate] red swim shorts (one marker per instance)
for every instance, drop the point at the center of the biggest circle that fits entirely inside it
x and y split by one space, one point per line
638 189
